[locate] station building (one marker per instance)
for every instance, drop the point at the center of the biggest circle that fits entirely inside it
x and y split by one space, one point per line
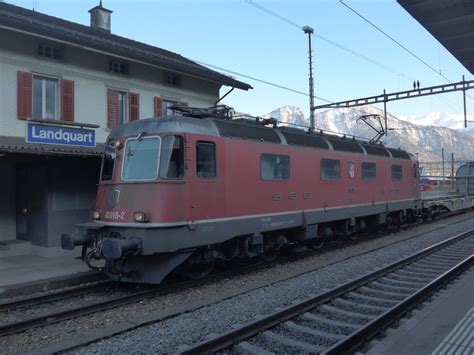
63 87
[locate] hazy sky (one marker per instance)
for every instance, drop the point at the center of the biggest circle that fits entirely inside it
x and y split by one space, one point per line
234 35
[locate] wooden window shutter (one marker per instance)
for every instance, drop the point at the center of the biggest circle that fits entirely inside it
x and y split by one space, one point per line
133 106
67 100
183 103
112 108
158 106
25 95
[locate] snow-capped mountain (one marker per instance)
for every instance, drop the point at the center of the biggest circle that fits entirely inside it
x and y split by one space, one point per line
427 141
439 119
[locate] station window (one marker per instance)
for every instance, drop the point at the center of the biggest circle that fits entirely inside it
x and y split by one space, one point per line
172 79
45 98
167 111
172 158
330 169
206 160
369 171
274 167
118 67
48 51
397 172
122 108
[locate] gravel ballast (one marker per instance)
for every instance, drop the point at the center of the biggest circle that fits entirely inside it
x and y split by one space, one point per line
171 335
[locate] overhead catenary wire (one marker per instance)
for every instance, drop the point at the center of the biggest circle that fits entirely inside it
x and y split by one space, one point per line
259 80
393 40
294 24
396 42
370 60
331 42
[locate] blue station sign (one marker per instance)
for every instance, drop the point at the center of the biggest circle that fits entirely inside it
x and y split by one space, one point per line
50 134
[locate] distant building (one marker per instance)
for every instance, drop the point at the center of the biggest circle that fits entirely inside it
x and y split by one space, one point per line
63 87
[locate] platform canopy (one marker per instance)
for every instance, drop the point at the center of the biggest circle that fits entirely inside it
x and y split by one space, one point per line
451 22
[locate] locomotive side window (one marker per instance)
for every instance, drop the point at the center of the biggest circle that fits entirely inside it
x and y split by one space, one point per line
108 161
274 167
140 161
330 169
172 158
205 160
397 172
369 171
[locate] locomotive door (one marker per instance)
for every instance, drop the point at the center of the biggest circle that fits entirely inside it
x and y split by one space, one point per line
205 178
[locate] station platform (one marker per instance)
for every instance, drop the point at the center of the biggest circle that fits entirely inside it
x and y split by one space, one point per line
32 273
443 326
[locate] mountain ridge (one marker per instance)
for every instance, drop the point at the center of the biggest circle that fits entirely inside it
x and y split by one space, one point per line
425 140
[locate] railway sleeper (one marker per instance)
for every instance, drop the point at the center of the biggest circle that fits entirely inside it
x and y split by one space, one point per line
280 339
245 347
345 327
434 265
381 293
351 305
404 272
460 254
345 315
364 299
325 336
389 280
442 259
383 286
415 269
409 277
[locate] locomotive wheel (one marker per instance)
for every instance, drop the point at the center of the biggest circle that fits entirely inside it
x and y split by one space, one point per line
317 243
273 247
349 231
197 271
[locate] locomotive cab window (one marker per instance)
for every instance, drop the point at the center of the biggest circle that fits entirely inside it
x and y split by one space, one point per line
172 158
140 161
397 172
108 161
274 167
330 169
206 160
369 171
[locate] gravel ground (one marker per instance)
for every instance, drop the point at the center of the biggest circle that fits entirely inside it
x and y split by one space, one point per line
174 334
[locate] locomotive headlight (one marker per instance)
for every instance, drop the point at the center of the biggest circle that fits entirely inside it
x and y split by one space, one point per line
140 217
96 215
118 144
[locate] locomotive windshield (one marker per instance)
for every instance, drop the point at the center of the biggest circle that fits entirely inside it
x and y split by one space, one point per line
108 161
140 160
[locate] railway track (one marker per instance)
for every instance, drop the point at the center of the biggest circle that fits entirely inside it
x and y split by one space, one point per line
53 296
345 317
59 316
109 303
113 302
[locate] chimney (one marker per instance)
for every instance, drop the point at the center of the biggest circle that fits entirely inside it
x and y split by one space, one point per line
100 17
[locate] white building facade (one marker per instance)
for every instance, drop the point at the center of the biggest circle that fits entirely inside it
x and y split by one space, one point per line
57 75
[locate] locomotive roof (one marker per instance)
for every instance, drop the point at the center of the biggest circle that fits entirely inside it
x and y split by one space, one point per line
250 131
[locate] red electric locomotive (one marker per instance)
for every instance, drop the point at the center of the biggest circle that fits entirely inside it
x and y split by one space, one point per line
192 189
